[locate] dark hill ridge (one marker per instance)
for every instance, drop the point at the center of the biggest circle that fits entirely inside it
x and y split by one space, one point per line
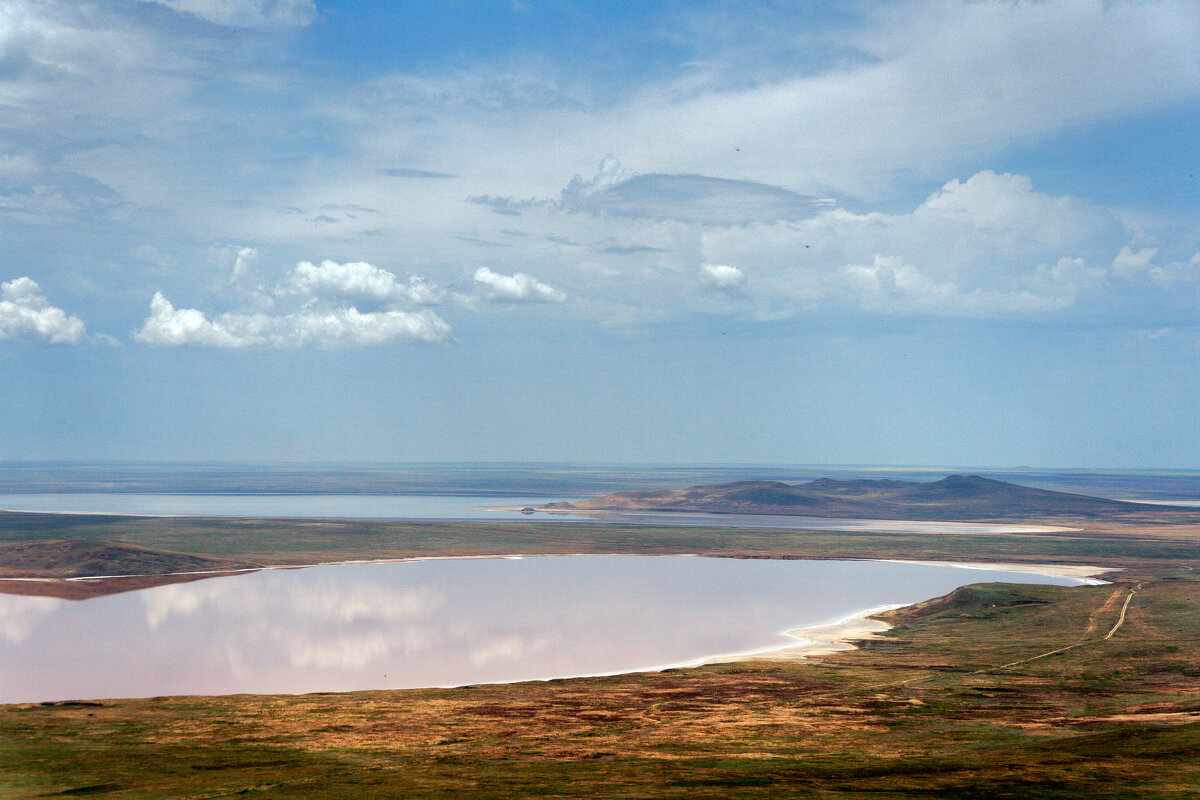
957 497
74 558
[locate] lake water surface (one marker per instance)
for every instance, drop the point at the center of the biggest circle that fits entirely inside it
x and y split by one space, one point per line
438 623
311 506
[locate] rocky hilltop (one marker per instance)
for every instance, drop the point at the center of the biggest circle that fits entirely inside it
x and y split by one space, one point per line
957 497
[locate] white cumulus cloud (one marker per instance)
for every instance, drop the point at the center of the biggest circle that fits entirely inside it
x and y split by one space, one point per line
168 325
988 246
515 288
324 304
722 276
1139 266
26 314
358 280
890 285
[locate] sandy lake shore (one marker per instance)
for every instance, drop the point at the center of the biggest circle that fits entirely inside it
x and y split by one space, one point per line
843 635
818 640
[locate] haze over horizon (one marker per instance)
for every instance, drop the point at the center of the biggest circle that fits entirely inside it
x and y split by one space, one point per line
701 232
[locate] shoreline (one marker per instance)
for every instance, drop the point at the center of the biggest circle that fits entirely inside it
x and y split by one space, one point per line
827 638
1083 573
820 639
1080 572
92 513
799 521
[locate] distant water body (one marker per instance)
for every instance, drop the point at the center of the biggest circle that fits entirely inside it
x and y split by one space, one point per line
439 623
322 506
560 480
443 507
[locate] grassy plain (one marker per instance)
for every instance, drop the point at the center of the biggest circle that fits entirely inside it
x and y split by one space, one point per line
65 546
992 692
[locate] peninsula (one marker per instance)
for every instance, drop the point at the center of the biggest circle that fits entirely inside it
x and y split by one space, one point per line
956 497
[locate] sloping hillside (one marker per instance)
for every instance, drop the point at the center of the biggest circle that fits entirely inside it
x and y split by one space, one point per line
74 558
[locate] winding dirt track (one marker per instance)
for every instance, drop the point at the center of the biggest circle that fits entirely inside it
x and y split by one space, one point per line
1091 627
1124 608
1094 617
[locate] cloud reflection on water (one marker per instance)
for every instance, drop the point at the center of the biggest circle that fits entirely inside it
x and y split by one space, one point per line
20 616
325 624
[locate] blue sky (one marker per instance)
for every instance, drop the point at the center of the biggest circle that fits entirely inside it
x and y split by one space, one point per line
894 233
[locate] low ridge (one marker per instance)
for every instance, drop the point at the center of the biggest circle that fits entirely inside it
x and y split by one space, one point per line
955 497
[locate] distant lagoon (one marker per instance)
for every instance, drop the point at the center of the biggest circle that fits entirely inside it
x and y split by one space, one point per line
439 622
317 506
445 507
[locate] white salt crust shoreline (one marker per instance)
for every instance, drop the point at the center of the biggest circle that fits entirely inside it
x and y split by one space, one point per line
1078 572
819 640
838 637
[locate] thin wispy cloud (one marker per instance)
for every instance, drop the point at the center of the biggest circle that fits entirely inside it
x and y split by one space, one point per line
246 13
406 172
688 198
